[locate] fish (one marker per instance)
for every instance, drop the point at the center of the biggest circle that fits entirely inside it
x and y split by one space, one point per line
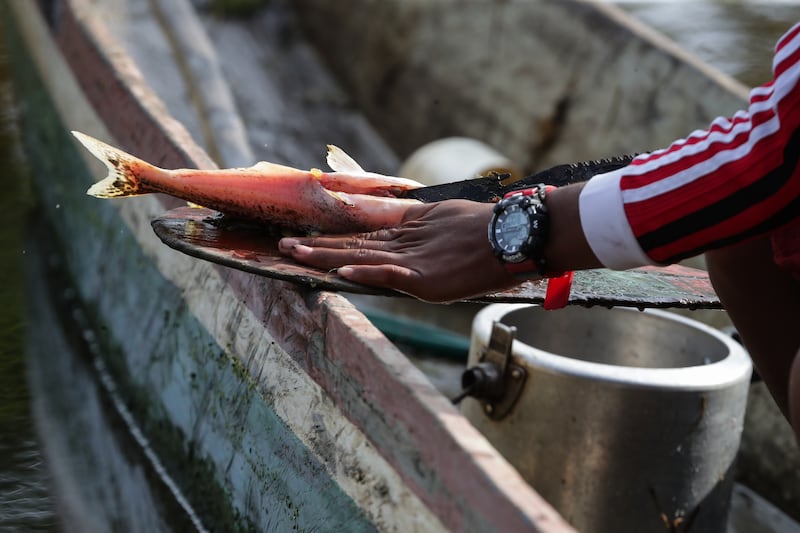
346 200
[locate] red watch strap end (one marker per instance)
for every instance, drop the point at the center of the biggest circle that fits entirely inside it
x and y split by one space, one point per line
557 294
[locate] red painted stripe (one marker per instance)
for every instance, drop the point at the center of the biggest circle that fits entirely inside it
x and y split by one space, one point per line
122 98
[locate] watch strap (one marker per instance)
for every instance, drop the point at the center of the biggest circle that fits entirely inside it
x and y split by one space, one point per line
541 190
523 269
558 284
558 289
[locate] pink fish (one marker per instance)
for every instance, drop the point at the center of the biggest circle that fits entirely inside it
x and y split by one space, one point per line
349 199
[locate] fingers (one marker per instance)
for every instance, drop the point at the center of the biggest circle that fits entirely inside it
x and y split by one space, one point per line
401 279
433 254
361 264
373 240
363 258
329 255
393 276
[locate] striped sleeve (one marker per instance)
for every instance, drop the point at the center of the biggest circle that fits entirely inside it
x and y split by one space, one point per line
735 180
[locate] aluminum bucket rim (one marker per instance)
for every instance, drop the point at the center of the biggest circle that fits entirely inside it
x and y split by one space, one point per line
733 368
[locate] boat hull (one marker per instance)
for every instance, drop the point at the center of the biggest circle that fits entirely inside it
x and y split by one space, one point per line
242 402
259 404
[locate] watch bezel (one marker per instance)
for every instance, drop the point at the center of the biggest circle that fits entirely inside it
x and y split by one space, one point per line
533 245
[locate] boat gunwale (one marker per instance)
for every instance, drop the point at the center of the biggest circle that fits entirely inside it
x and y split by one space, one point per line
470 474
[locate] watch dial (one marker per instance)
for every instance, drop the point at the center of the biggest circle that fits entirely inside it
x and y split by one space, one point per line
512 229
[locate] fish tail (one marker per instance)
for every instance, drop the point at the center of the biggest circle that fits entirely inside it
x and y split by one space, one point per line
124 170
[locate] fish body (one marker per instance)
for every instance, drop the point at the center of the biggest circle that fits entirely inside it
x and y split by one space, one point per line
346 200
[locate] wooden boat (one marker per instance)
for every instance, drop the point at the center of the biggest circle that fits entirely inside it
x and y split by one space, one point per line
214 399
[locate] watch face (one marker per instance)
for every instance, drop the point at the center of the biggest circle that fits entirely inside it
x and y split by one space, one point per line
511 230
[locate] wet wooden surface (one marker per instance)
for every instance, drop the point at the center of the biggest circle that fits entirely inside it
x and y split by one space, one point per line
200 233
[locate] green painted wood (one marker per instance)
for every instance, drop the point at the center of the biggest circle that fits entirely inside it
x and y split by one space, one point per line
209 423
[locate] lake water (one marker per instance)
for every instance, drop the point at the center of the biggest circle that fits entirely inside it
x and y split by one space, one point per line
736 37
25 504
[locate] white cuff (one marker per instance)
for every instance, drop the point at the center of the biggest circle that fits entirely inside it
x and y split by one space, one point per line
606 226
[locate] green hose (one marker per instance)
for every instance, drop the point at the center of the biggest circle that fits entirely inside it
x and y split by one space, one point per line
439 342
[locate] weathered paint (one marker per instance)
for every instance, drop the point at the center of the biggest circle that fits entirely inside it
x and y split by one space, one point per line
210 372
202 385
183 387
87 446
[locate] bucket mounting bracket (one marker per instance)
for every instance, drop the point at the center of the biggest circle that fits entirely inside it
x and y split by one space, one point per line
496 381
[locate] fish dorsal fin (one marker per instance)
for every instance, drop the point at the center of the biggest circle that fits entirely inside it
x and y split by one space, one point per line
339 161
273 168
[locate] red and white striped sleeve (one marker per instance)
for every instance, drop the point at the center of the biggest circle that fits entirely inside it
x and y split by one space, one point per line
737 179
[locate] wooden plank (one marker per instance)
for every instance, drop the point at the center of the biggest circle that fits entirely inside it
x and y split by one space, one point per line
291 104
198 233
119 93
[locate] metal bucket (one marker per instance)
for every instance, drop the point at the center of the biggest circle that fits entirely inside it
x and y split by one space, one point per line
626 421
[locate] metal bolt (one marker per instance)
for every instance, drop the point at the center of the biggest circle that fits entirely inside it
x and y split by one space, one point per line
516 374
488 408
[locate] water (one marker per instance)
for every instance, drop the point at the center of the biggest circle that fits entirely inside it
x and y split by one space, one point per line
25 503
736 37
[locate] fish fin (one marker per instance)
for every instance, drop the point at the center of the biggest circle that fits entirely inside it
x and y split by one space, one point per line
339 161
122 180
264 165
274 168
342 197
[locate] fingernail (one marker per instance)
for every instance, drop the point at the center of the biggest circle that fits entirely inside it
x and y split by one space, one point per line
287 244
344 271
300 249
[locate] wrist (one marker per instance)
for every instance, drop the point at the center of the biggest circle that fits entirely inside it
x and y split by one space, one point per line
519 233
567 247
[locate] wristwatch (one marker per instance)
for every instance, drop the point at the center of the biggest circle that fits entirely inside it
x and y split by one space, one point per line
518 233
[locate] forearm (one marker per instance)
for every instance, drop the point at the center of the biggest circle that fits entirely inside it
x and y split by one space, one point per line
763 302
567 247
735 181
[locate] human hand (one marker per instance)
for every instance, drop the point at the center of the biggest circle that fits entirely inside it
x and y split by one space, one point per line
439 253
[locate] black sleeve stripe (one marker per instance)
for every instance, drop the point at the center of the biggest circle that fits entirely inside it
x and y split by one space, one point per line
784 216
731 205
